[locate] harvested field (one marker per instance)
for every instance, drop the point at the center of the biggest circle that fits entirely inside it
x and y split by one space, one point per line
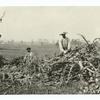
76 72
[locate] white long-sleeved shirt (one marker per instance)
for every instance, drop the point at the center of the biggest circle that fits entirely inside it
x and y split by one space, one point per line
28 58
64 44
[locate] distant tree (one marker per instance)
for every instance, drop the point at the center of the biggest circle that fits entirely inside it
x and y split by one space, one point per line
22 42
32 42
76 42
40 42
11 42
1 41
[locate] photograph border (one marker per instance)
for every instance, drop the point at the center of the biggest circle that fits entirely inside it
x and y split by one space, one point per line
49 3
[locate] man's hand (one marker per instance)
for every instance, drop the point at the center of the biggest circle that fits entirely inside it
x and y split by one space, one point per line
66 51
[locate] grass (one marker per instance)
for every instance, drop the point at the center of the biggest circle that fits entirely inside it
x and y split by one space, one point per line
10 52
34 89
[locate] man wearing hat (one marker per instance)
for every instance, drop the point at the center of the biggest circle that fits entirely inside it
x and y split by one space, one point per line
64 43
28 58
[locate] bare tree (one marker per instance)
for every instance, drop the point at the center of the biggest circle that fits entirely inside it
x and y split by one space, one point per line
1 17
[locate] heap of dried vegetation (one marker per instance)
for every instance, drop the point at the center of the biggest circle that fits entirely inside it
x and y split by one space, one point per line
79 66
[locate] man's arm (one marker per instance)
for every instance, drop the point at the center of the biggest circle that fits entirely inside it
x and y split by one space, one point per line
69 44
25 58
60 46
32 57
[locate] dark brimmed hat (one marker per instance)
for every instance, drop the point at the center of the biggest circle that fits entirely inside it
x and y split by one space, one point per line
28 48
64 33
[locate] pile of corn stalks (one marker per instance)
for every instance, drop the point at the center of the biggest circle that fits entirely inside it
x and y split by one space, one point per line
80 64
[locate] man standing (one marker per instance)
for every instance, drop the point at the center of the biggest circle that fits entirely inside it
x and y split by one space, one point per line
64 43
28 58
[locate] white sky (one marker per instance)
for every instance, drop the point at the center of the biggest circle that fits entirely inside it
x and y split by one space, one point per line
33 23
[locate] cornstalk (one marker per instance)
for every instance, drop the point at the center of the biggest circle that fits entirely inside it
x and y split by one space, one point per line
69 74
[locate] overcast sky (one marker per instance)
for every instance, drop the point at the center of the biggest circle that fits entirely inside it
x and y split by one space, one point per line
33 23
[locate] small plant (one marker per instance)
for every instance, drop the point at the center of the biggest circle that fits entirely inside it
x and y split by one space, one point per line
3 61
17 61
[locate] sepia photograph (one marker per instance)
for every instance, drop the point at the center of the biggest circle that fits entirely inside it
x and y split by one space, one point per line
49 50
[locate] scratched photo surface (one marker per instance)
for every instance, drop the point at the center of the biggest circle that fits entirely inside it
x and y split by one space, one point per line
49 50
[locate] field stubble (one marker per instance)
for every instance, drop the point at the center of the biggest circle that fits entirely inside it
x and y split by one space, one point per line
77 72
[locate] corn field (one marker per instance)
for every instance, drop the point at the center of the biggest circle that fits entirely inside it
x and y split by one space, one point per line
76 72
